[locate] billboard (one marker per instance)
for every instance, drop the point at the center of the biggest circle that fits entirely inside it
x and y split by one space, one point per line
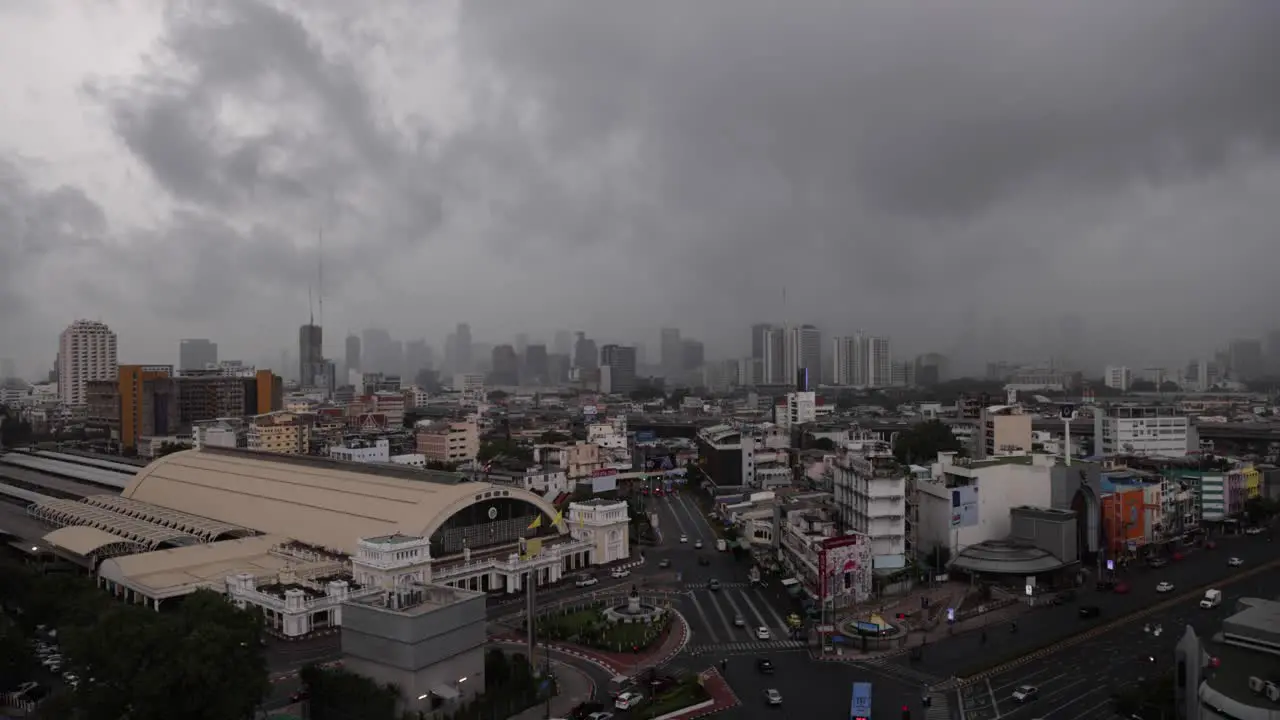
646 436
860 707
604 483
844 567
964 506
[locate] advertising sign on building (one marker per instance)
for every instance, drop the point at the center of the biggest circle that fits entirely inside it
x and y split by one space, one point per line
964 506
844 570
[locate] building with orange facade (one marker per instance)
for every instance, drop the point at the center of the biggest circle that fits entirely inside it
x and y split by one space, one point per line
1129 516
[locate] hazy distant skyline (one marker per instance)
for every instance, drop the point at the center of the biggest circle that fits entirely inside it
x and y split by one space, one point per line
956 176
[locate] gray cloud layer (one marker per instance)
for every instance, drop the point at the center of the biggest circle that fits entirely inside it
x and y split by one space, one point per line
955 175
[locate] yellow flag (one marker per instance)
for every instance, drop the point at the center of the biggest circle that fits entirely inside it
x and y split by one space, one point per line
537 522
559 518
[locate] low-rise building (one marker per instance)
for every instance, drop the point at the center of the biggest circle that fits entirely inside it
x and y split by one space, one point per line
450 442
284 432
834 570
965 502
869 487
1235 675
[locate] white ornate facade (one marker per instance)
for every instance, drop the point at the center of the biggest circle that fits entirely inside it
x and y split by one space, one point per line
605 525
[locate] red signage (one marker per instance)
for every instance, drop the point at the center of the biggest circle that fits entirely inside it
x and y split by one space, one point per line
605 472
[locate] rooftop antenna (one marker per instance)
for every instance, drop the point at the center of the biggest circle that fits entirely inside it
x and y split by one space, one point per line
311 306
320 272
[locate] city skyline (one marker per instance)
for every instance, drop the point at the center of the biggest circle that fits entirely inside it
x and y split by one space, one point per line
940 214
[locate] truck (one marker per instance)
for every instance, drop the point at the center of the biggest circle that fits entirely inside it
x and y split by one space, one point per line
721 545
1212 599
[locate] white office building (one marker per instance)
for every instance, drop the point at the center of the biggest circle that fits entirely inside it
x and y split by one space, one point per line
862 360
1157 430
86 352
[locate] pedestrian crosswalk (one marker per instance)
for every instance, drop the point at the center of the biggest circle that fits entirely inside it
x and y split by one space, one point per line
939 707
887 666
731 613
723 585
745 647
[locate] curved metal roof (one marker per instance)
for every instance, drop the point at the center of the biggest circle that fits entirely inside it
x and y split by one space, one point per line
84 540
1006 558
326 505
57 511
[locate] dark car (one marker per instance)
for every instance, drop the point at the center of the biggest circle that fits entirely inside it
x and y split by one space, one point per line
765 665
1157 562
1105 585
1090 611
704 560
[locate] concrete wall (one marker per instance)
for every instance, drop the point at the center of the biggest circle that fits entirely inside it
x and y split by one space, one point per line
412 641
1048 531
413 685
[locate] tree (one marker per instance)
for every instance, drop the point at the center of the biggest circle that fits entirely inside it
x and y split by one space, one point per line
1260 509
552 437
497 396
490 449
845 400
17 661
336 694
1169 386
1142 386
645 394
168 448
824 444
922 442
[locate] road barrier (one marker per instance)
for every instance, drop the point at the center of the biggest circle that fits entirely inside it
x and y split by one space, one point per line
980 674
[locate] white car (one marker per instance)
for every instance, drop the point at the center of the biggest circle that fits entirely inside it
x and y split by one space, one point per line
627 700
762 633
772 697
1164 587
684 538
586 582
1253 531
697 544
1235 562
620 573
1025 693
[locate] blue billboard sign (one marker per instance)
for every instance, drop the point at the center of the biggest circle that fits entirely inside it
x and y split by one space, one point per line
861 706
646 436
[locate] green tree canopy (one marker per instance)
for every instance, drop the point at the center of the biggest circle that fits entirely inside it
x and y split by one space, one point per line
497 396
336 694
1142 386
490 449
551 437
921 443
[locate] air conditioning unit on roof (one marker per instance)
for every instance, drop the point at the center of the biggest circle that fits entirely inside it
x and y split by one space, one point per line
1255 684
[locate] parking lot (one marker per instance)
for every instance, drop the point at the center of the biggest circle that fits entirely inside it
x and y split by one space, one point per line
1078 682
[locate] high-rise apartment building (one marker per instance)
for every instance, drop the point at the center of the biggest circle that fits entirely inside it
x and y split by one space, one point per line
1118 377
802 349
862 360
773 366
620 361
506 366
86 352
692 354
197 354
311 365
585 354
758 332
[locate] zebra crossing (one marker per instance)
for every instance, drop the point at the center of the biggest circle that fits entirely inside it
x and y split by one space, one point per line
734 611
735 648
939 706
886 666
723 585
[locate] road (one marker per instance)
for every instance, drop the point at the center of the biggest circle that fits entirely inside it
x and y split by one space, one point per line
1046 625
1076 684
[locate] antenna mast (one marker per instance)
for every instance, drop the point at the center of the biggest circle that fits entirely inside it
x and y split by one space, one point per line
320 272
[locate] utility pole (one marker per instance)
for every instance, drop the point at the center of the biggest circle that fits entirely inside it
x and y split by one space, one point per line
530 580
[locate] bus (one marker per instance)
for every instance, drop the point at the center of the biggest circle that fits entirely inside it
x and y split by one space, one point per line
860 708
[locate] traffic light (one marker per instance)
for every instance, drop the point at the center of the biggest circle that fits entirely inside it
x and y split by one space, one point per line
906 713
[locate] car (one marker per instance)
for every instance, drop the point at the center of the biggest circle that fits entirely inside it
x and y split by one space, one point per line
772 697
1164 587
1157 562
587 581
1025 693
697 544
765 665
619 573
1120 588
684 538
1089 611
714 584
704 560
739 621
664 563
762 633
1104 585
1253 531
627 700
1234 562
600 716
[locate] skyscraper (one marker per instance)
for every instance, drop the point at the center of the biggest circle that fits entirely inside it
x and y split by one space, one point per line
197 354
311 365
758 333
802 348
773 365
86 351
585 355
672 350
536 365
353 354
462 348
621 362
862 360
506 366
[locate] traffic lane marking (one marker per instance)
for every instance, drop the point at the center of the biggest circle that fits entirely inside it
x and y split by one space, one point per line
975 703
696 517
1089 713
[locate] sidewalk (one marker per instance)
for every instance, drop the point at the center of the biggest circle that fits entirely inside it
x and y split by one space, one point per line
575 689
940 598
622 663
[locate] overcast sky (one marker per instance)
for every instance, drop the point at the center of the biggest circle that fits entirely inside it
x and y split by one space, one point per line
957 175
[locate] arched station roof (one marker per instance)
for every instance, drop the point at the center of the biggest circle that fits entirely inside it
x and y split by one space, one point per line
318 501
87 541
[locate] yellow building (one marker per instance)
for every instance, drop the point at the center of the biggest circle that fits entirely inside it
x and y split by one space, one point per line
280 432
1252 483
